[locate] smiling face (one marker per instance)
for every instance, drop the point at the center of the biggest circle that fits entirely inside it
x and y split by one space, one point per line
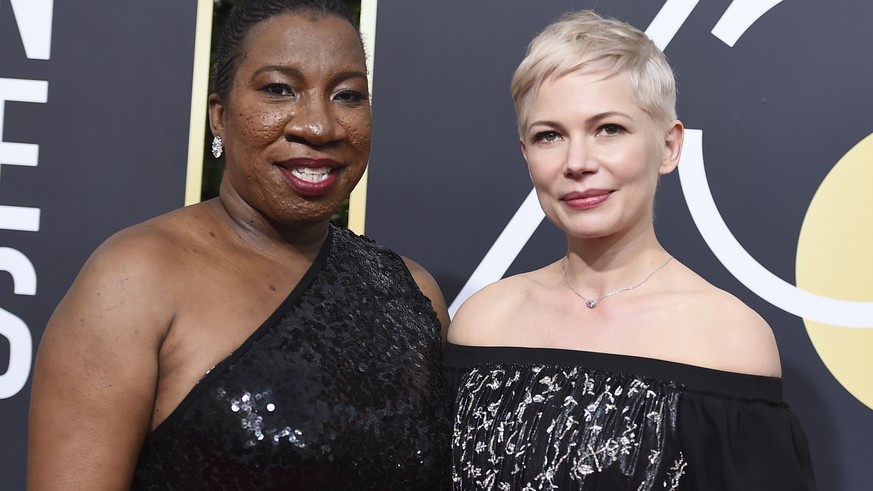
594 156
296 122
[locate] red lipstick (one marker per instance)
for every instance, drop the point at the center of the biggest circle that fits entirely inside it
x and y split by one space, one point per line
310 177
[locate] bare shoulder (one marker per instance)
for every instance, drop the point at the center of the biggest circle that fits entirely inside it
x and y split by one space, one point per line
428 285
159 237
131 262
97 362
122 303
135 261
421 275
733 337
121 297
482 319
143 246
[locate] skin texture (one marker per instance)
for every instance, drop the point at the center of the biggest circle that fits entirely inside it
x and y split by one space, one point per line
586 136
160 303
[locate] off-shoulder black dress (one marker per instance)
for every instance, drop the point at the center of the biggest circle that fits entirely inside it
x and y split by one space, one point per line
341 388
536 418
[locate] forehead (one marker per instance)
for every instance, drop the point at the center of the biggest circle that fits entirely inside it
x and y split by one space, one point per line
307 41
595 90
591 87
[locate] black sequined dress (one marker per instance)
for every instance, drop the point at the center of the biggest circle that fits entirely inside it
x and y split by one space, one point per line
536 418
341 388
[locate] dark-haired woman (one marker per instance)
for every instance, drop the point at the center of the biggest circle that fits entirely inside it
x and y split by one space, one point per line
244 342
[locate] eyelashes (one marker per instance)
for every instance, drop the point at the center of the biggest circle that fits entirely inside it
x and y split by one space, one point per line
351 97
278 90
610 129
546 136
347 96
604 130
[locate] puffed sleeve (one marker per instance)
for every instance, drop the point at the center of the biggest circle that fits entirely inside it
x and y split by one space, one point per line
747 444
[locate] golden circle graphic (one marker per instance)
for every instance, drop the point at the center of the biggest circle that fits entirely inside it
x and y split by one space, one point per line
835 259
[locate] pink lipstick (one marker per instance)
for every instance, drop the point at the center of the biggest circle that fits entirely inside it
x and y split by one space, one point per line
587 199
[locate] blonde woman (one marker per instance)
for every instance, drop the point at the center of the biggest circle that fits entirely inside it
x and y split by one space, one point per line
614 367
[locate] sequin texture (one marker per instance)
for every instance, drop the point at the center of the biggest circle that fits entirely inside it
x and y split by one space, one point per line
340 389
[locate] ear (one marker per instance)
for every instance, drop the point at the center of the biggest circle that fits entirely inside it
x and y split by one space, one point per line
216 114
673 139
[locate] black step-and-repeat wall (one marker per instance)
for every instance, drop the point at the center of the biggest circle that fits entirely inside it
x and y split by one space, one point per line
94 131
772 200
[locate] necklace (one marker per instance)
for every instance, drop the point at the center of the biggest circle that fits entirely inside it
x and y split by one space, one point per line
591 303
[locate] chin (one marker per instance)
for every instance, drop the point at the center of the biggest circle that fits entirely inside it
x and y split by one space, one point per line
585 235
580 230
316 216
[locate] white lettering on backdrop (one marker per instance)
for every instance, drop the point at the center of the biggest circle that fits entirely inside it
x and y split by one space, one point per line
34 20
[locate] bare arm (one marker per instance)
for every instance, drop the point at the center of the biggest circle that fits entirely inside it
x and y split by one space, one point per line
431 290
96 374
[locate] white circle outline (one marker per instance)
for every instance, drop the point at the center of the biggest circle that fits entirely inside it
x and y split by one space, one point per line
788 297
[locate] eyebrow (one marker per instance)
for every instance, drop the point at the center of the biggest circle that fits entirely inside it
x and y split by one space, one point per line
278 68
588 122
605 115
294 72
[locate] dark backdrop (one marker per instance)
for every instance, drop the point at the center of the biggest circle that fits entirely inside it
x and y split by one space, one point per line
779 109
112 140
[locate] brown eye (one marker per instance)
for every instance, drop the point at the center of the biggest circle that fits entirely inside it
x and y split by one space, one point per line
610 129
545 136
278 90
349 97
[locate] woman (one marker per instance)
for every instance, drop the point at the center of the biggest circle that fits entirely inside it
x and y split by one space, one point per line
614 367
243 342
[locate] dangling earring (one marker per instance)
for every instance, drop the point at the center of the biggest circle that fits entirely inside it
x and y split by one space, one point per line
217 147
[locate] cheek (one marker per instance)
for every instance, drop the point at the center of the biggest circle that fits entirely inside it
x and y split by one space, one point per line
259 125
543 167
358 128
540 177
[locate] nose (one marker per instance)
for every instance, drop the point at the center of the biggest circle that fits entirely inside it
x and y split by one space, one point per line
313 122
580 159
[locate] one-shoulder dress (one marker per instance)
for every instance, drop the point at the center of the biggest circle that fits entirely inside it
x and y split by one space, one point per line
542 418
341 388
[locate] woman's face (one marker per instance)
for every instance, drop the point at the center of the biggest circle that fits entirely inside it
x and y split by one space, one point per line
296 122
594 156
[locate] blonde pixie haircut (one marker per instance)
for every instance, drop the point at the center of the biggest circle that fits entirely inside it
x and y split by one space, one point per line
586 41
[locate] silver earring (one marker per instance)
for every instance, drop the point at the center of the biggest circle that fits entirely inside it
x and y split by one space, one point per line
217 146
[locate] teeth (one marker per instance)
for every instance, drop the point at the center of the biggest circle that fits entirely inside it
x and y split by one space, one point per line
311 175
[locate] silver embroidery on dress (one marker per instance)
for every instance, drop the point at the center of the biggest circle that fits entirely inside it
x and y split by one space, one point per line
543 427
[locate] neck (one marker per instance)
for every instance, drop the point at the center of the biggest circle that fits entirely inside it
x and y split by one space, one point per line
621 247
258 231
593 302
601 265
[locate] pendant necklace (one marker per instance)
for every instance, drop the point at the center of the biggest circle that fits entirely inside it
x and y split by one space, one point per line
591 303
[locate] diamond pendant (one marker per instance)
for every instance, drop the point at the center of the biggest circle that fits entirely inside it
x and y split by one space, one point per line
591 303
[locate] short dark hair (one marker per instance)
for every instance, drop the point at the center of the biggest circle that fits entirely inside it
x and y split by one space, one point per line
249 13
